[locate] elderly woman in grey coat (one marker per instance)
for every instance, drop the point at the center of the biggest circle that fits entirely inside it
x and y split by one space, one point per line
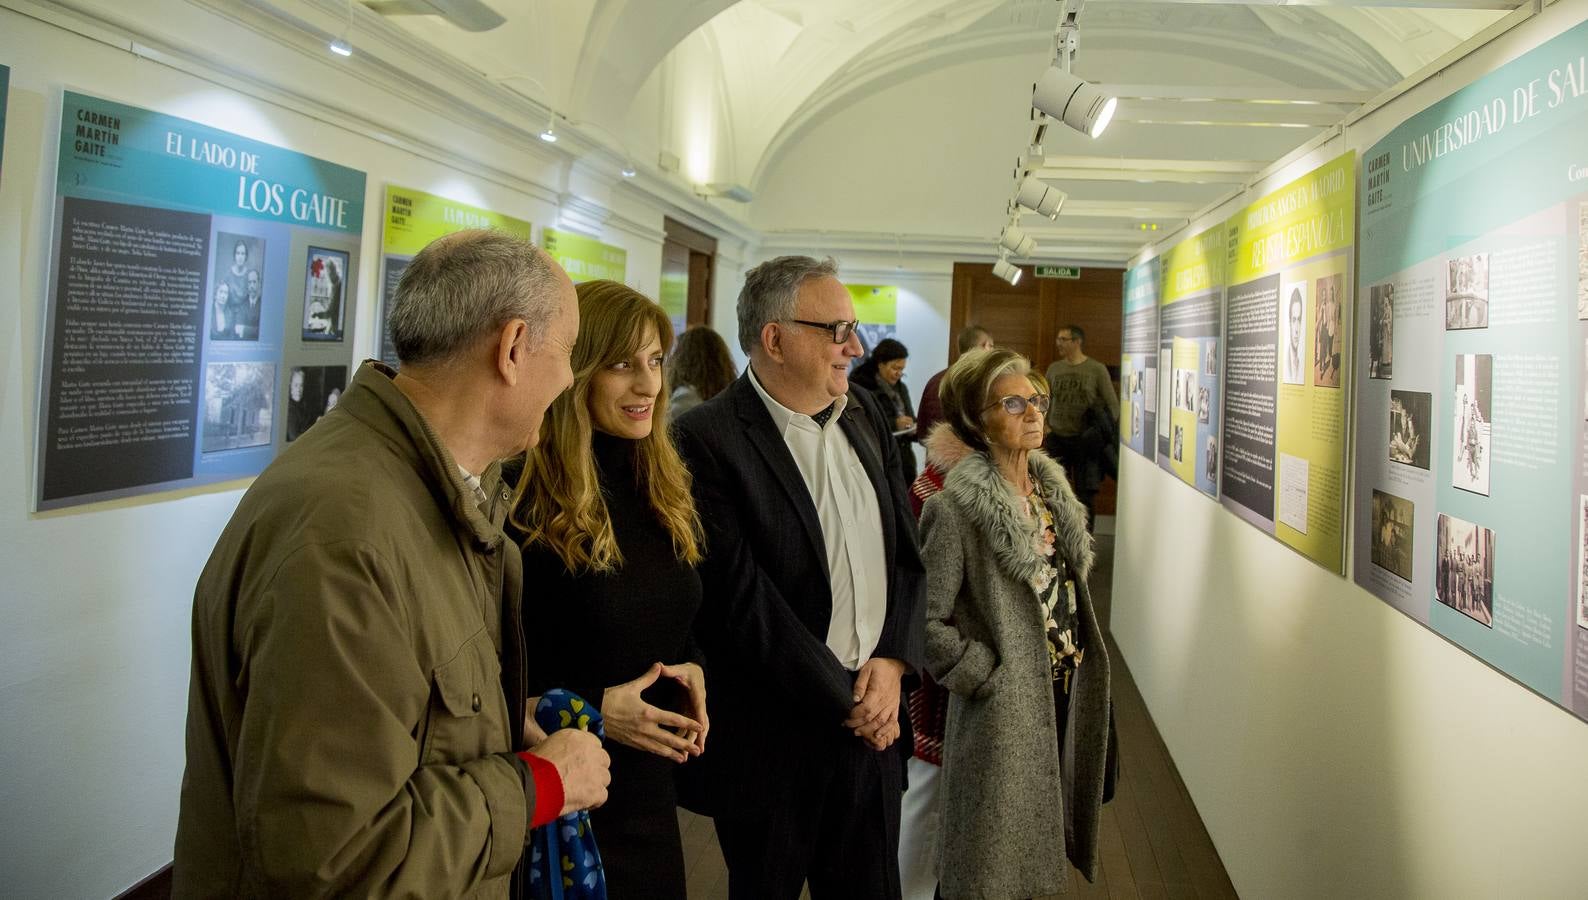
1011 634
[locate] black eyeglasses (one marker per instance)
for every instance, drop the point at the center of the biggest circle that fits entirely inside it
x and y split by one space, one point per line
839 330
1016 406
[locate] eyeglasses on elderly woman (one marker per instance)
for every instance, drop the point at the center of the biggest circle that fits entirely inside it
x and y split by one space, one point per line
1016 405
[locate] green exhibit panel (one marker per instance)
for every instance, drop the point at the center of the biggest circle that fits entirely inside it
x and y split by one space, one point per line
414 218
1189 372
197 308
1286 357
877 310
1138 360
583 258
1471 506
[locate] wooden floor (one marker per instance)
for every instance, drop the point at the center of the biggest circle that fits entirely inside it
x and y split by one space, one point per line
1153 842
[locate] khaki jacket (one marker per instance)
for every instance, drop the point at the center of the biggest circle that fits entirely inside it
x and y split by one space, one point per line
348 731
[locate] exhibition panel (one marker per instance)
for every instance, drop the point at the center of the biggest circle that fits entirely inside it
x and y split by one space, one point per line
583 258
196 299
1286 353
1138 361
1189 381
1471 500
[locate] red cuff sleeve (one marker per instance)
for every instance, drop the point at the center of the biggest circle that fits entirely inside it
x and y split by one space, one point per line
548 789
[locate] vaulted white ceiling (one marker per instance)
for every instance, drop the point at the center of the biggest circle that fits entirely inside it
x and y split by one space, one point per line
738 92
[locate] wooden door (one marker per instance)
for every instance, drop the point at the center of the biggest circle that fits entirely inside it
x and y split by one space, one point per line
1026 317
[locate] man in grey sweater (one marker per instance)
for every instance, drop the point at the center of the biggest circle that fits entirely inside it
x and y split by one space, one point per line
1083 416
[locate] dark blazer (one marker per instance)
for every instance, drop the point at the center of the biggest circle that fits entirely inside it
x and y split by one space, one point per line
776 695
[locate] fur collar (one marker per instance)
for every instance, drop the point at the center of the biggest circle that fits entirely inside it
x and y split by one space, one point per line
992 507
944 449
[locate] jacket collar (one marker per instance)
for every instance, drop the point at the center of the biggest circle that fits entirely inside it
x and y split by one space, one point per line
997 513
944 449
373 399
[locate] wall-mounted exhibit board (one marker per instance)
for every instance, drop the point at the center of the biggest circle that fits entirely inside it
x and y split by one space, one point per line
877 309
583 258
1472 462
1286 358
413 219
1189 315
187 335
1138 360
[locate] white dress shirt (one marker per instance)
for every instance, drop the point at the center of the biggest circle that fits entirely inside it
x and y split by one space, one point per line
851 522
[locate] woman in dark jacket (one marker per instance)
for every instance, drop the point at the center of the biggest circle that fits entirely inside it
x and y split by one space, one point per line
611 540
883 375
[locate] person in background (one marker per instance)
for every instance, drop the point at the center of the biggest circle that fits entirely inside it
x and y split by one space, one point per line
812 615
921 826
883 375
347 732
974 337
1083 420
1012 635
700 369
611 540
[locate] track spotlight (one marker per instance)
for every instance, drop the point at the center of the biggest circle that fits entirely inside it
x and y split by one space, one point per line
1040 198
1016 241
341 47
550 134
628 170
1008 271
1076 102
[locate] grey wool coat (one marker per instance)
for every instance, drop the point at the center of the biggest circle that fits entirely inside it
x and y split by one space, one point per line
1014 806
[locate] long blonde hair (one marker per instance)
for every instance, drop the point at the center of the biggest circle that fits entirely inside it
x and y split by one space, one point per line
559 502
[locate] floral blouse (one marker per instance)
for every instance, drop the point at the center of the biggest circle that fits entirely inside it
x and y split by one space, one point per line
1054 585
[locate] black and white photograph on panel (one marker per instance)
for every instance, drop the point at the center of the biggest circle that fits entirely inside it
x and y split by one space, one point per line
238 298
1210 359
1392 534
1204 401
1292 343
1185 387
1327 341
312 391
1464 570
1471 415
322 294
1582 561
1213 460
1411 415
1582 261
1178 444
1467 292
1381 331
238 399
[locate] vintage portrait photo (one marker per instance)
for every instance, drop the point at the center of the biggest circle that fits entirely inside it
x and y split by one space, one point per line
322 294
1381 330
237 298
1212 463
1185 386
1177 445
1210 358
1392 534
238 399
1411 415
1467 292
1471 415
1328 344
1204 403
1582 561
1293 333
1582 261
1464 568
312 391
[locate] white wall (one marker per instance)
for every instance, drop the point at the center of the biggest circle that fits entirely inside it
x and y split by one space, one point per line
1333 746
95 601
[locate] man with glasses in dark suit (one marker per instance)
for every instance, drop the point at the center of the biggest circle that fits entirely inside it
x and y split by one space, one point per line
813 601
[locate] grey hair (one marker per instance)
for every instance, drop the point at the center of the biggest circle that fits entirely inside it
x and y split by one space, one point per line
464 285
966 389
770 291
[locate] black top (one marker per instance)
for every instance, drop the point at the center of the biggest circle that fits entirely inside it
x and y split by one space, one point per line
592 631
